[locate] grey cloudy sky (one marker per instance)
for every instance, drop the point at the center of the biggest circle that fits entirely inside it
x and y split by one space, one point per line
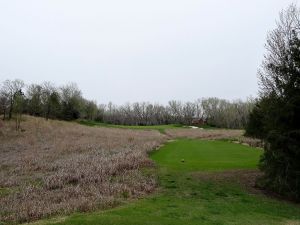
135 50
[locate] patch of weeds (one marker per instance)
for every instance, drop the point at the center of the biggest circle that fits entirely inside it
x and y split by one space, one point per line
172 206
125 194
171 181
36 182
4 192
213 210
4 167
162 131
221 194
228 139
171 186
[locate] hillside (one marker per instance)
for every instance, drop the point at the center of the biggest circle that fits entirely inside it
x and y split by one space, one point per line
59 167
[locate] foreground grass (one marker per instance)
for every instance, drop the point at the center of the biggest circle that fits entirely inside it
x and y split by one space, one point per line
160 128
188 195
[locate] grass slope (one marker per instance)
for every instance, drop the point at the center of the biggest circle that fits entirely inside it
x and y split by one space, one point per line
160 128
186 198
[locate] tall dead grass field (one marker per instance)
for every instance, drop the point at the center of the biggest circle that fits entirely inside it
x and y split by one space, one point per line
56 167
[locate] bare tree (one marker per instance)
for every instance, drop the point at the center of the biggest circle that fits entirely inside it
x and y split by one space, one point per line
34 96
49 98
280 43
188 112
10 89
4 103
18 108
72 101
91 110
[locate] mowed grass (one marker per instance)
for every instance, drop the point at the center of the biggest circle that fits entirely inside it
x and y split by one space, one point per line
199 155
160 128
187 195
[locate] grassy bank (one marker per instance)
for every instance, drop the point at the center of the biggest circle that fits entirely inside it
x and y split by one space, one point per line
160 128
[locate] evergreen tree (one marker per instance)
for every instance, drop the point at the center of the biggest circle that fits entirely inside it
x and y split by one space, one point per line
276 117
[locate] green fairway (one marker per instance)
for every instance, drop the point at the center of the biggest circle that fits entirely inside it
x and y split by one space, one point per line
195 155
187 194
160 128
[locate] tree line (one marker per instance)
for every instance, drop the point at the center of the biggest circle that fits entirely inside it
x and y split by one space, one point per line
276 116
214 111
67 103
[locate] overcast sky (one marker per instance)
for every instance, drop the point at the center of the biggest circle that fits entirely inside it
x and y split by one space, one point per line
135 50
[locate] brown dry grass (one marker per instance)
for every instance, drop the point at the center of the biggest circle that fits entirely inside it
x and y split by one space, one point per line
253 142
56 167
204 134
214 134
